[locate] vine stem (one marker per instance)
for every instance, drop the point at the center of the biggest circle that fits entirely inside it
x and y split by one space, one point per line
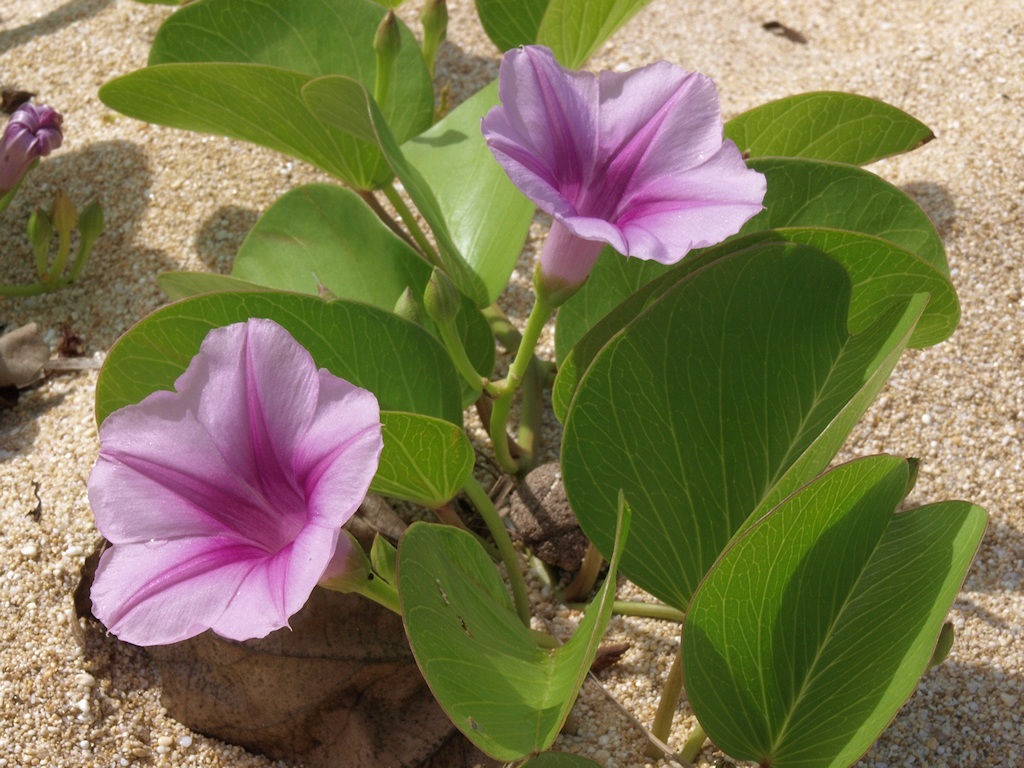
670 694
411 224
505 390
499 533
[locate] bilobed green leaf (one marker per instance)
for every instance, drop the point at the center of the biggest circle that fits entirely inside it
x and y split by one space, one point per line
827 125
816 193
575 30
425 460
236 68
345 104
883 274
403 365
739 381
511 23
323 235
506 693
488 218
811 631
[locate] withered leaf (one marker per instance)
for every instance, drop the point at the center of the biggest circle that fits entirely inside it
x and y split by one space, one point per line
23 353
340 688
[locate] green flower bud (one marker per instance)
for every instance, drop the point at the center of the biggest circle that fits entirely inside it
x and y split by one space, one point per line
386 44
434 19
441 299
409 308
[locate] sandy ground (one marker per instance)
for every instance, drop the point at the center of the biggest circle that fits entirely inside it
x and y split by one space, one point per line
177 200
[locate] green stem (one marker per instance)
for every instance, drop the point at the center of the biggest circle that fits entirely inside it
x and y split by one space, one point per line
23 290
648 610
505 390
668 704
501 538
375 589
585 579
371 200
502 328
411 224
694 743
457 352
531 416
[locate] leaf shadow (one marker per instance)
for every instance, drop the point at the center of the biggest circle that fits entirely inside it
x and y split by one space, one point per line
936 201
68 14
221 236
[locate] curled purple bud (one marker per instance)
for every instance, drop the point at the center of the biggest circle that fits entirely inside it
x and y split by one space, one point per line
31 133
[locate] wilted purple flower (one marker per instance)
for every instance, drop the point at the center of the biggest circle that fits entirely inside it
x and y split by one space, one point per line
32 132
633 159
223 500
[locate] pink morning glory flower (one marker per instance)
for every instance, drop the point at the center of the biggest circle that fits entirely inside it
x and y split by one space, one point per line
223 500
32 132
633 159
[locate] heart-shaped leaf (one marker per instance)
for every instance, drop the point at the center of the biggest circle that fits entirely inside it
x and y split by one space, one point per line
488 218
506 693
425 460
402 364
345 104
827 125
739 381
812 630
236 68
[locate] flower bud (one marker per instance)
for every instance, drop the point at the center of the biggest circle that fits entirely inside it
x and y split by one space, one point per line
386 44
441 299
434 19
409 308
32 132
63 214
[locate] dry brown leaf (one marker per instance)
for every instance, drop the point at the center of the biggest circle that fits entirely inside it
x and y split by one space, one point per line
340 688
22 356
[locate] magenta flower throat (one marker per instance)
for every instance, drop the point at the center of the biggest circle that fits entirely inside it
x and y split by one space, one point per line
223 500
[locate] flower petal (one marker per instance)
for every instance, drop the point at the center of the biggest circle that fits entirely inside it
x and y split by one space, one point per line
544 132
167 592
340 451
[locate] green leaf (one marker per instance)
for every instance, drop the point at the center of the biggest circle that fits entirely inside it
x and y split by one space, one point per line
559 760
236 68
883 275
827 125
345 104
321 234
402 364
488 218
425 460
185 285
815 193
813 628
575 30
511 23
506 693
739 383
384 559
613 279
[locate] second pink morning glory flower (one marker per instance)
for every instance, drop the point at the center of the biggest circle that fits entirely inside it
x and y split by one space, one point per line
635 160
223 500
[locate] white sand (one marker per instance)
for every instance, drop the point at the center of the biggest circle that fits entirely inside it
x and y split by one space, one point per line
176 200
